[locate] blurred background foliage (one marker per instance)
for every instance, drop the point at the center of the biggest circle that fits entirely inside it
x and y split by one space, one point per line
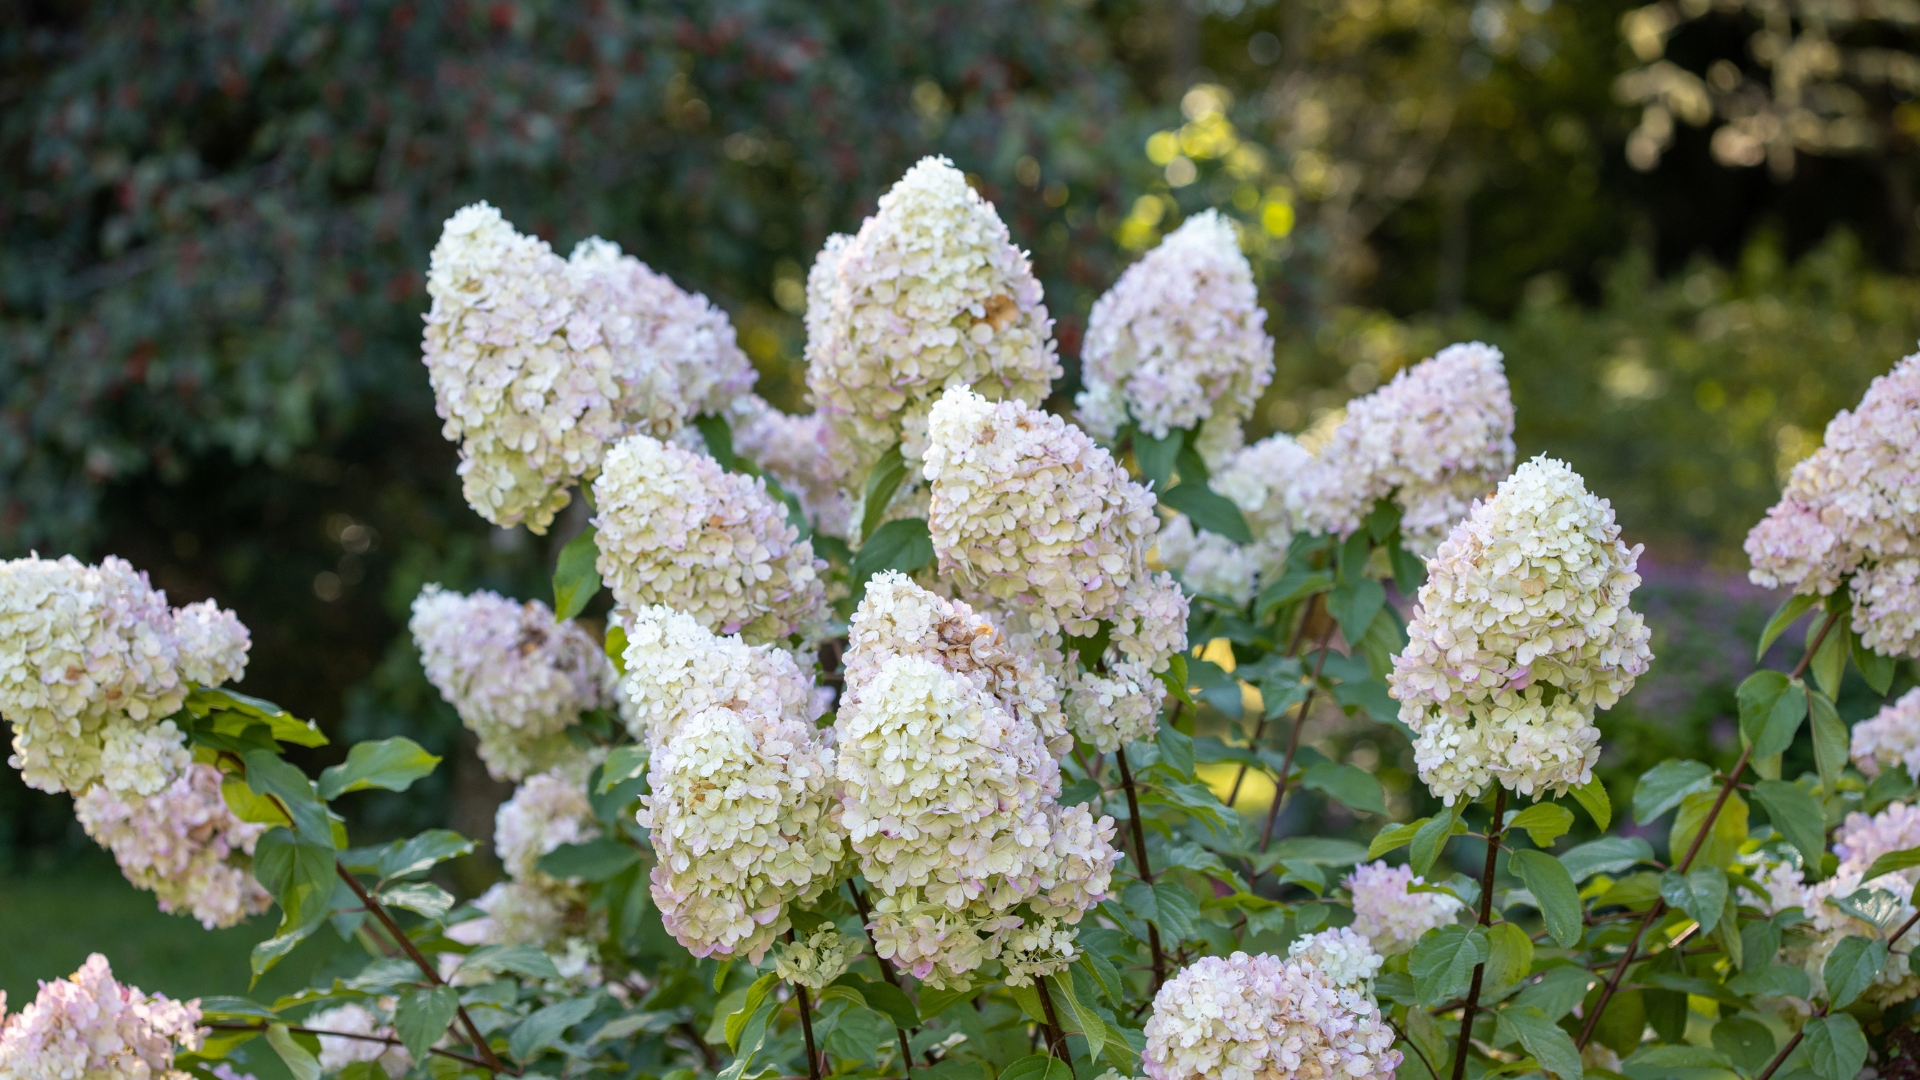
1690 226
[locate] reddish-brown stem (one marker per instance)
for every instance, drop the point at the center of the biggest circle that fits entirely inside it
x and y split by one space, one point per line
1472 1005
1056 1035
1260 729
1140 864
262 1026
1293 740
886 970
1904 927
1774 1065
806 1028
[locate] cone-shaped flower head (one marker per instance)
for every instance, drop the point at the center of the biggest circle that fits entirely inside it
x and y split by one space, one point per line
1388 914
87 1025
1435 438
1851 512
676 529
931 293
1522 631
538 364
1179 341
91 662
182 844
517 676
1258 479
677 669
1244 1017
1891 738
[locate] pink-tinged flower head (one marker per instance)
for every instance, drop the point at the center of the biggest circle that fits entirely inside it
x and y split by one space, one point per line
1244 1017
1891 738
89 1026
182 844
1391 916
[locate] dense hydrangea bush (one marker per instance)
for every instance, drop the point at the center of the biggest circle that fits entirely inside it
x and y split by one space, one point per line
914 739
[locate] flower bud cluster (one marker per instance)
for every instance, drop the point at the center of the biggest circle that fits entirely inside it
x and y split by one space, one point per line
1848 515
1391 916
817 959
538 364
1892 737
1179 341
931 293
1434 439
182 844
1522 632
675 529
1244 1017
517 676
1258 479
89 1026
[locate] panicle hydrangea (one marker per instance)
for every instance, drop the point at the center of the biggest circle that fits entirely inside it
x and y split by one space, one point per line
810 459
949 788
517 676
1387 914
1848 514
89 1027
1179 341
1528 595
520 913
539 363
676 529
817 959
1257 478
546 811
677 668
931 293
182 844
743 824
1208 562
1344 956
1244 1017
91 661
1435 439
1892 737
336 1053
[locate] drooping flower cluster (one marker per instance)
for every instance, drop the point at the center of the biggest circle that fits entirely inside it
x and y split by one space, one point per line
949 790
336 1053
1179 341
517 676
1523 630
1258 479
1244 1017
817 959
1390 916
809 458
1029 514
1434 439
538 364
1892 737
1849 512
931 293
92 661
182 844
90 1027
675 529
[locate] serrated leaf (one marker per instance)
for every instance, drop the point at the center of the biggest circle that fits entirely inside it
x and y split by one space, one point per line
1747 1042
1835 1047
1443 961
545 1026
1083 1016
300 877
422 852
1544 823
1409 570
882 482
1771 709
1876 669
1430 839
422 1017
421 897
1349 784
1723 842
1354 604
269 774
1176 750
1701 893
903 545
576 575
519 959
1550 1046
1037 1067
1851 968
299 1060
1831 742
249 807
1592 797
1662 787
1510 955
1796 815
393 764
1558 991
1179 911
1553 887
1208 510
1607 855
1785 615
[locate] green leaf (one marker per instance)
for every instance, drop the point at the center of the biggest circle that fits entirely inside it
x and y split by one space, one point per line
1875 668
886 998
1176 750
1796 815
623 764
1592 796
1037 1067
903 545
1510 956
594 860
231 711
1320 850
1431 838
1350 558
1903 859
1544 822
300 877
1350 784
1081 1017
615 647
882 482
519 959
1550 1046
1209 510
1179 911
393 764
1701 893
300 1062
576 575
1558 991
1829 661
1662 787
1786 615
1397 836
1553 887
545 1027
1443 961
1747 1042
1175 678
1354 604
1831 742
719 439
423 897
1156 456
1835 1047
1607 855
1409 570
1771 708
1772 980
269 774
1851 968
1729 829
422 852
1289 587
422 1017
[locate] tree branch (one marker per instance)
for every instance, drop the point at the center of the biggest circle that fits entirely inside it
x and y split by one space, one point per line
1472 1006
1140 863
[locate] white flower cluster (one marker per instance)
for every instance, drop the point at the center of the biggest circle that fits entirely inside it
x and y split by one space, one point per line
949 788
931 293
517 676
675 529
1390 916
1892 737
1258 479
1179 341
92 661
1343 955
1849 512
1244 1017
539 363
817 959
182 844
1434 439
89 1027
337 1053
809 458
1028 512
525 913
1522 631
678 669
547 810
